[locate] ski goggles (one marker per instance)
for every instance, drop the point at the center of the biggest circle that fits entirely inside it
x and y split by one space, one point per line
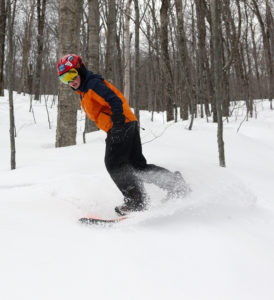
69 76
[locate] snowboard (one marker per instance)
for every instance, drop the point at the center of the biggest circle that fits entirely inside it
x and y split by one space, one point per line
99 221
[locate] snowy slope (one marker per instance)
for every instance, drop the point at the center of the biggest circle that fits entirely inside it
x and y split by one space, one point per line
216 244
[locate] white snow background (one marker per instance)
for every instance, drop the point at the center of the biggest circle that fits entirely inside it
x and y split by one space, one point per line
215 244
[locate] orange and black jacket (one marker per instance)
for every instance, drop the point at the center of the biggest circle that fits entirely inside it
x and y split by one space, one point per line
100 99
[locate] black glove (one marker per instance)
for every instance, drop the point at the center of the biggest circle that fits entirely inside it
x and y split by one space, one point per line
118 119
117 132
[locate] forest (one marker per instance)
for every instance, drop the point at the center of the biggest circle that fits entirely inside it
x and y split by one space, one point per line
192 57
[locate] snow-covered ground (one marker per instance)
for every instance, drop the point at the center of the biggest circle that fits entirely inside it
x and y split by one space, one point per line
216 244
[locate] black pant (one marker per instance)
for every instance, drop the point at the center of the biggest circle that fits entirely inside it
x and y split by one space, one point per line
128 168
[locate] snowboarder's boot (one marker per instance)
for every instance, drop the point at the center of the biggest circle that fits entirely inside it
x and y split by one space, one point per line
130 206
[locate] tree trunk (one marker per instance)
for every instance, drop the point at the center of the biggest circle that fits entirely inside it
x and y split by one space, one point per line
69 25
40 43
127 51
137 61
218 74
93 35
2 43
158 99
167 79
203 80
110 51
185 64
211 67
150 74
270 51
27 39
266 29
11 16
93 50
247 67
255 58
119 54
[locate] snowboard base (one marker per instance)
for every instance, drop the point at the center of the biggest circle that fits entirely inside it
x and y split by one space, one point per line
99 221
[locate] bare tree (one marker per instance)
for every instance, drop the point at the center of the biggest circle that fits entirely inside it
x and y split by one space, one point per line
154 43
118 61
3 18
41 10
266 28
137 61
93 35
11 8
93 51
185 66
166 72
70 12
110 48
255 58
203 87
127 51
26 46
270 50
218 74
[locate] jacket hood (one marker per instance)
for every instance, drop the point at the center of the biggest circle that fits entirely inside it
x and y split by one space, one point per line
88 76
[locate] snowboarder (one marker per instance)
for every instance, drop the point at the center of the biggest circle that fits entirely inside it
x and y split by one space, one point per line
108 108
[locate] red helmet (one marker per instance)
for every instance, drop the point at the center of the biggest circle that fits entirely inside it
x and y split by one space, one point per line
70 61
